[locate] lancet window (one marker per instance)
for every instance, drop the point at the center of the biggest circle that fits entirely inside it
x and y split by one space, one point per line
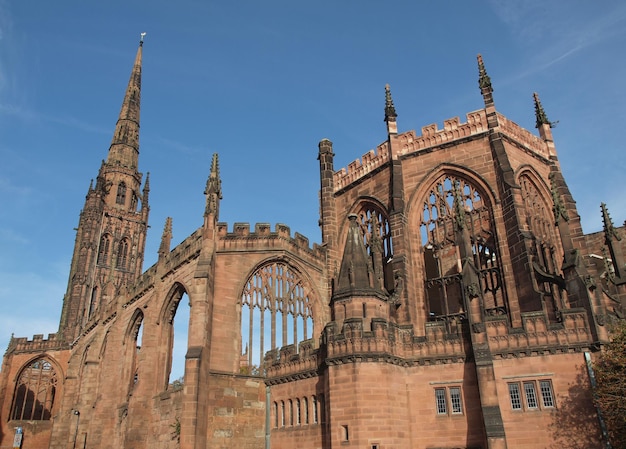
35 391
104 249
122 255
121 193
457 220
377 238
276 311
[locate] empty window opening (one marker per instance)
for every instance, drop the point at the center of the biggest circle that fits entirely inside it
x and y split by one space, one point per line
35 391
177 315
454 210
276 311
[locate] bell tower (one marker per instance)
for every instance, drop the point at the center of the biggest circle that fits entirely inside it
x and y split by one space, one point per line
111 233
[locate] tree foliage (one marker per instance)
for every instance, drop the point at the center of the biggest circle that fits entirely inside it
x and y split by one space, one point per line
610 392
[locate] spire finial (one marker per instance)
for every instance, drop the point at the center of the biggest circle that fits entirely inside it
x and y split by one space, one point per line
213 189
166 238
142 35
390 109
540 114
484 82
609 229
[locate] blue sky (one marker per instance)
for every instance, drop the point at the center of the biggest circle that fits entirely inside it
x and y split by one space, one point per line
261 83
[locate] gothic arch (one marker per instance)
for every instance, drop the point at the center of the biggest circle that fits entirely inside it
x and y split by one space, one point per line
276 296
36 387
373 219
452 213
132 348
166 320
545 248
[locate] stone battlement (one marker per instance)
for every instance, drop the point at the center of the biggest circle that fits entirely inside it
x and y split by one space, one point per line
409 142
38 343
263 236
522 136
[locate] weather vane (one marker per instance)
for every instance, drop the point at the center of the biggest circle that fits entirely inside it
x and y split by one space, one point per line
142 36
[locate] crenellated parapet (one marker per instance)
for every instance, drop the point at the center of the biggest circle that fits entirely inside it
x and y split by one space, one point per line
263 238
452 130
523 137
286 364
37 344
357 169
539 336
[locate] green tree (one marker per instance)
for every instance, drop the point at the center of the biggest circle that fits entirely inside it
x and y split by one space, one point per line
610 392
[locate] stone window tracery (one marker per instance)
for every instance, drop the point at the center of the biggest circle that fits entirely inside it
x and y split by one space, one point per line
454 210
35 392
377 238
276 311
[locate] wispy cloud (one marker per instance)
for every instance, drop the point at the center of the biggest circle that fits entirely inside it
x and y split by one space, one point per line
543 26
33 116
180 147
9 235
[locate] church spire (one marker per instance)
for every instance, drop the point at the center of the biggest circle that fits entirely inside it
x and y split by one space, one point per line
124 149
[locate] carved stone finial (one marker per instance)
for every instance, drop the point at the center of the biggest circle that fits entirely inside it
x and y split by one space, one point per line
540 114
484 82
390 109
609 230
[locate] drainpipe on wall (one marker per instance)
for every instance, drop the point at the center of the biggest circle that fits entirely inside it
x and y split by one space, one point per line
592 379
267 417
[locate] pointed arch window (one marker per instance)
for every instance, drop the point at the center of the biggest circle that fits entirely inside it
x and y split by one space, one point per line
122 255
454 210
545 253
35 392
377 238
135 338
104 249
276 311
120 198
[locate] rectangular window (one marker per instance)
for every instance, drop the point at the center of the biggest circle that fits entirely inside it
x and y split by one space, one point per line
546 393
514 394
531 395
455 400
440 396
